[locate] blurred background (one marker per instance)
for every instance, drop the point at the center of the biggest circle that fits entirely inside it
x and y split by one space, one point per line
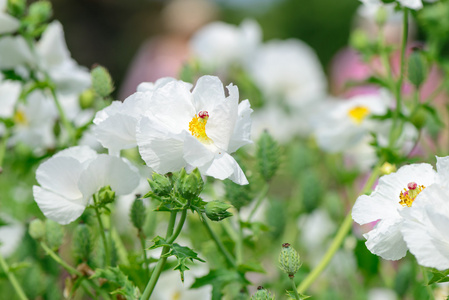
113 32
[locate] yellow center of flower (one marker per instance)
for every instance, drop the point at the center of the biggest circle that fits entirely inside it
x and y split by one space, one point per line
197 126
176 295
20 118
358 114
408 195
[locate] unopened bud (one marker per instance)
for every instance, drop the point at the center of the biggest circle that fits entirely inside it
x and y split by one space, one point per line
267 156
160 185
419 117
102 81
39 12
238 195
82 242
138 213
262 294
54 234
381 16
387 168
289 260
217 210
417 68
106 195
359 40
189 185
36 229
87 98
16 8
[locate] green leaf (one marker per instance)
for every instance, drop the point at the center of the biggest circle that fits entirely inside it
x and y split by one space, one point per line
439 276
292 295
182 254
115 275
218 279
251 267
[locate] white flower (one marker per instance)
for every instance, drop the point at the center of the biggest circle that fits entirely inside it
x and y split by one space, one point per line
14 52
195 129
70 178
115 125
8 23
288 70
218 45
9 94
10 235
393 194
55 59
413 4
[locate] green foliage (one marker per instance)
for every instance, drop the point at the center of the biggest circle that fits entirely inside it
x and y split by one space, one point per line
219 279
417 68
217 210
160 185
181 253
262 294
39 12
268 156
292 295
189 186
138 213
116 276
238 195
54 234
101 81
439 276
82 242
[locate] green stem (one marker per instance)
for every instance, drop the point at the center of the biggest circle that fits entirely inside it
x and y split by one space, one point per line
219 244
103 235
65 122
426 280
170 238
260 198
3 144
292 279
338 240
144 252
12 278
239 243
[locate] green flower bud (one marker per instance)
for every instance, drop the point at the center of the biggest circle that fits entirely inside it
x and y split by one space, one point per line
36 229
217 210
359 40
381 16
238 195
191 185
419 117
289 260
102 81
40 12
82 242
262 294
138 213
87 98
16 8
417 68
267 156
387 168
106 195
54 234
160 185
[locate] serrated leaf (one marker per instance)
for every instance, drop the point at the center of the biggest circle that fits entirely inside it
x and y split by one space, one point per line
292 295
251 267
218 279
115 275
439 276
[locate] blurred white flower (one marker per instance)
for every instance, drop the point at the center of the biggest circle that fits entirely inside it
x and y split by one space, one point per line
425 227
195 129
381 294
11 234
70 178
9 94
219 45
8 23
393 194
115 125
288 71
413 4
14 52
55 59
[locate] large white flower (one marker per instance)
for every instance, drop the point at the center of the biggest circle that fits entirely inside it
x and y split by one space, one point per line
393 194
195 129
55 59
288 70
8 23
115 125
218 45
70 178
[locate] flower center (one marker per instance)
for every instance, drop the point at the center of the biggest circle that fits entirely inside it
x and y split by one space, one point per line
409 194
358 114
197 126
20 118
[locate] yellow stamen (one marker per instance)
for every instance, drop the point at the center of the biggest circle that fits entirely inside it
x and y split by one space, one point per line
358 114
20 118
407 196
198 127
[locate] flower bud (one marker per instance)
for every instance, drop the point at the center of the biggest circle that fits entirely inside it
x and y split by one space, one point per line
289 260
54 234
87 98
191 185
106 195
36 229
262 294
82 242
419 117
417 68
102 81
39 12
267 156
387 168
160 185
381 16
217 210
16 8
138 213
359 40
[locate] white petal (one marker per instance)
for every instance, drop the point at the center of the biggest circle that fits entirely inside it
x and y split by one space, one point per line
8 23
117 132
15 52
52 46
242 129
443 170
60 175
386 240
161 149
57 207
108 170
413 4
9 93
10 235
369 209
224 166
80 153
208 92
195 153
